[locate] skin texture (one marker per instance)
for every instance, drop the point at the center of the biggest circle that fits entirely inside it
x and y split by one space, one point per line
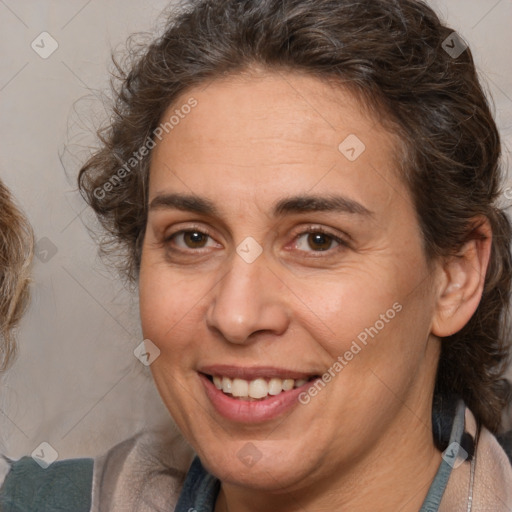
365 441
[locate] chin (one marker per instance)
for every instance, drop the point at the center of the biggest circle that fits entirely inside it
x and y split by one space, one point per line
251 468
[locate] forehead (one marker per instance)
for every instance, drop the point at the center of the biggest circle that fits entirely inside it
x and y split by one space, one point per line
272 132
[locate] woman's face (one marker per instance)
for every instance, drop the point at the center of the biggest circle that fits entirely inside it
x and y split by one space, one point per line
282 247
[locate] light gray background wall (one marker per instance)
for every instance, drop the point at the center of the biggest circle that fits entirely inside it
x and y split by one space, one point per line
76 383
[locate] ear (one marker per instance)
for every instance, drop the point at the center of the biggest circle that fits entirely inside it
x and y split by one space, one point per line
462 282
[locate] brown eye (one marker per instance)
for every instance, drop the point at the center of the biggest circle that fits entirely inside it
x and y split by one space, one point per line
189 239
317 241
194 239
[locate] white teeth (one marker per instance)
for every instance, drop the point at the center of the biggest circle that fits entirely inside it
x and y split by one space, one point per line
288 384
226 385
275 386
240 388
257 388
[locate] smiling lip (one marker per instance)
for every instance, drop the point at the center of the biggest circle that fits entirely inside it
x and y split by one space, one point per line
255 372
243 411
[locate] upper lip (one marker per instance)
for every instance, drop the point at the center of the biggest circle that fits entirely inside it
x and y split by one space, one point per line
253 372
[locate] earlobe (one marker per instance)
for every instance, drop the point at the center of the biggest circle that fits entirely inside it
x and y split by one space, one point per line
463 281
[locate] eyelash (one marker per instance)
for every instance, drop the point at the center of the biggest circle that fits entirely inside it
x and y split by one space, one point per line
342 244
191 229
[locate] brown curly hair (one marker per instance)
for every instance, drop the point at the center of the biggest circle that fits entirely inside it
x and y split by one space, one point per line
16 249
390 53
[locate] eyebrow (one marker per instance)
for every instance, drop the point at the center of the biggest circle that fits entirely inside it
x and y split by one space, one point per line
314 203
185 202
294 204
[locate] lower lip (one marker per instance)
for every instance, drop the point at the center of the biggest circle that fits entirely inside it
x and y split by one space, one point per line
243 411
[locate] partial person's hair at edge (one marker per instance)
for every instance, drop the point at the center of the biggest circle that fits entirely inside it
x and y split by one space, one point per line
16 249
449 157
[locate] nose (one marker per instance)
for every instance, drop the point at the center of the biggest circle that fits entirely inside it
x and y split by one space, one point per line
249 299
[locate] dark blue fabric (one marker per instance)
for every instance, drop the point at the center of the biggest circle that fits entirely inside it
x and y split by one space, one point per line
200 490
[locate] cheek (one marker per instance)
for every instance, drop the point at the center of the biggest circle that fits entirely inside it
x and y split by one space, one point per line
170 305
336 309
371 316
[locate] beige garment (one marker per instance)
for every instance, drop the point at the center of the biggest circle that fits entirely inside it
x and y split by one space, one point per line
491 485
143 474
146 473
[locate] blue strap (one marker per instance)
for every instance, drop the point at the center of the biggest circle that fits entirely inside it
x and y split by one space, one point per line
435 494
